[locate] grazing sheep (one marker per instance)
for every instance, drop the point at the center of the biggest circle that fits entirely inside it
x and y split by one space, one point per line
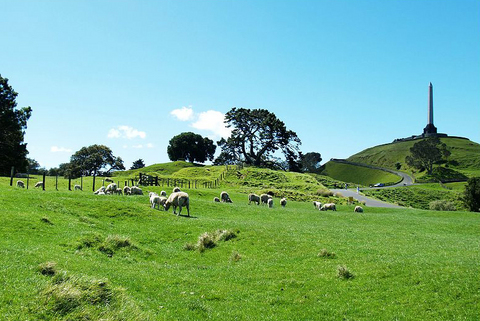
118 191
20 184
126 190
156 200
328 206
101 193
358 209
216 199
163 193
270 202
176 189
111 188
109 180
179 199
264 198
135 190
283 202
253 198
39 184
77 187
317 205
100 190
224 197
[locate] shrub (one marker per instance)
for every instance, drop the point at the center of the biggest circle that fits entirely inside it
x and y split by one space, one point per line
324 192
326 254
344 273
472 194
48 268
442 205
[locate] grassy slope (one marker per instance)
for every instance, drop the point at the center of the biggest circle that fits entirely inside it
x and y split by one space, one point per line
163 169
358 175
465 152
408 264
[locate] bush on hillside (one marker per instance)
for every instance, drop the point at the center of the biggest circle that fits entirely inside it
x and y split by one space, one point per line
442 205
472 194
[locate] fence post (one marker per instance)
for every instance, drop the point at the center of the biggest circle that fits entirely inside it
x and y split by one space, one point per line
69 183
28 178
189 184
81 182
156 181
56 182
11 175
94 174
44 180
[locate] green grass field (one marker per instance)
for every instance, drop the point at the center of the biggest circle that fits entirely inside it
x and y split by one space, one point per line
118 259
358 174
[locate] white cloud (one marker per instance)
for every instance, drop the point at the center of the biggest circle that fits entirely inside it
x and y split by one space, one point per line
150 145
214 121
137 146
56 149
183 114
125 132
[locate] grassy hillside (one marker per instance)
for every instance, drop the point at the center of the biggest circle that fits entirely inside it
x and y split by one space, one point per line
163 169
358 174
117 259
464 158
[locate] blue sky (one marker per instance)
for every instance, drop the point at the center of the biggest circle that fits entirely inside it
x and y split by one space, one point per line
344 75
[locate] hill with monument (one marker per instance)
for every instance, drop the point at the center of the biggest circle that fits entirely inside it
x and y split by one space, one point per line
463 162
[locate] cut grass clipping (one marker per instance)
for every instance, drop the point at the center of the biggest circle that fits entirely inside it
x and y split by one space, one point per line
81 298
210 240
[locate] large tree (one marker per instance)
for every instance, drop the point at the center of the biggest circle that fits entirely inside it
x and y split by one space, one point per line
94 159
311 162
13 122
139 163
191 147
472 194
257 134
427 152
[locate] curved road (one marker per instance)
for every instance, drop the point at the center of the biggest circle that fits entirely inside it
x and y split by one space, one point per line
407 180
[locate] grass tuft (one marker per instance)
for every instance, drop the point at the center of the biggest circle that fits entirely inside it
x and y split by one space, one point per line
46 220
115 242
235 257
344 273
326 254
225 235
88 240
206 241
48 268
189 247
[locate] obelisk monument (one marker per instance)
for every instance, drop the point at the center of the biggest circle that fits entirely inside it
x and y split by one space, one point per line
430 129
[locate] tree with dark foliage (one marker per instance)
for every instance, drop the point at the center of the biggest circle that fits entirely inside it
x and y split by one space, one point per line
13 122
257 134
138 164
472 194
427 152
311 162
191 147
92 159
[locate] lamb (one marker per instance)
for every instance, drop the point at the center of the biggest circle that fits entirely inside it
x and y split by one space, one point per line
176 189
358 209
77 187
216 199
111 188
328 206
270 202
253 198
317 205
264 198
127 190
135 190
156 200
163 193
20 184
101 193
179 199
109 180
100 190
224 197
39 184
283 202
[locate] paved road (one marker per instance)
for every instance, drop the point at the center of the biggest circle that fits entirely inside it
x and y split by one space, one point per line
368 201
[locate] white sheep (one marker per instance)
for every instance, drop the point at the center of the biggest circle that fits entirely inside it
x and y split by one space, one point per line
179 199
253 198
156 200
224 197
216 199
109 180
283 202
163 193
270 202
126 190
20 184
118 191
358 209
39 184
111 188
317 205
176 189
77 187
100 190
135 190
264 198
328 206
101 193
